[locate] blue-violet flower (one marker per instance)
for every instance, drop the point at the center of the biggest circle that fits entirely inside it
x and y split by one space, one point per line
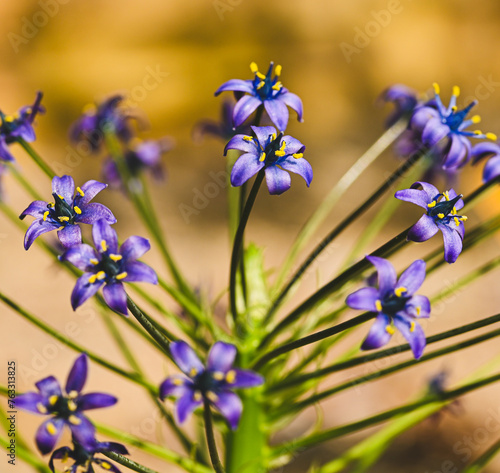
404 98
481 151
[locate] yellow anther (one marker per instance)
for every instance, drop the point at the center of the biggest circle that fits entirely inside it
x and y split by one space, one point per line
253 67
193 372
53 399
412 326
457 221
454 108
418 309
64 457
74 420
80 191
77 209
279 153
41 408
45 215
60 196
248 138
121 275
378 305
432 204
261 84
73 394
9 118
63 219
277 86
104 245
197 396
262 157
446 195
231 376
212 396
283 145
105 465
89 109
94 261
277 70
476 119
399 291
115 257
178 382
456 90
50 205
477 132
463 218
72 405
92 279
491 136
218 375
436 88
260 75
440 215
51 429
273 136
101 275
390 330
298 155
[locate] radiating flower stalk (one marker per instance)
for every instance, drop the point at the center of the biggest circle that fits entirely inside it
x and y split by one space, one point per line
252 383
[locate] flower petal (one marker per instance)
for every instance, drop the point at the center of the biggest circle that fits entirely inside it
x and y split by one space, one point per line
140 272
244 108
62 452
364 299
78 374
116 297
413 277
294 102
221 357
230 406
415 196
80 256
65 187
185 358
30 402
48 434
83 290
90 189
378 334
452 243
491 169
263 133
246 379
418 307
278 113
95 401
92 212
457 153
298 166
83 430
49 386
386 274
424 229
434 131
176 386
413 333
244 168
35 209
278 181
101 230
237 85
293 145
484 149
421 117
37 228
70 235
429 189
238 142
134 247
185 405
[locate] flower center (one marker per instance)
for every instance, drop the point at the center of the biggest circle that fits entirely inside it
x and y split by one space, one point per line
206 381
266 86
445 211
61 212
394 302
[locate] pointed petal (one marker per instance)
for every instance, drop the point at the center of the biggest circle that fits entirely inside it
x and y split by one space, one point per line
116 297
185 406
413 277
92 212
418 306
48 434
298 166
49 386
484 149
102 230
112 447
294 102
237 85
293 145
237 142
413 333
30 402
434 131
221 357
263 133
278 181
62 452
424 229
37 228
35 209
83 431
134 247
244 168
415 196
378 335
246 379
386 274
421 117
78 374
83 290
90 189
244 108
429 189
452 243
175 386
70 235
140 272
230 406
456 154
278 113
95 401
491 169
363 299
64 186
460 203
185 358
80 256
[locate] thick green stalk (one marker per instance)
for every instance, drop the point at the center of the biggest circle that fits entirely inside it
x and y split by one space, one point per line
478 465
209 431
130 464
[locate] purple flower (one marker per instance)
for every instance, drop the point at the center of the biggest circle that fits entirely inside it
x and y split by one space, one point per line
441 214
64 408
487 150
66 212
443 130
213 383
19 125
395 304
274 153
262 90
110 265
405 101
141 155
84 457
96 121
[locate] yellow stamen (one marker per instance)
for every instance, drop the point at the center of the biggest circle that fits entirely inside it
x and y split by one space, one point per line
418 309
277 70
72 394
193 372
105 465
45 215
453 211
248 138
432 204
41 408
63 219
260 75
77 210
51 429
298 155
80 191
399 291
440 215
261 84
253 67
197 396
277 86
75 420
231 376
104 246
378 305
101 275
463 218
279 153
121 275
273 136
436 88
115 257
178 382
476 119
491 136
390 330
457 222
53 399
218 375
412 326
50 205
454 108
456 90
72 405
92 279
94 261
65 457
60 196
446 195
477 132
212 396
9 118
262 157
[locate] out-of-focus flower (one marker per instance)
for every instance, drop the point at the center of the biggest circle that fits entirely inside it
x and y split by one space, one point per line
109 265
140 156
84 457
441 214
66 212
108 117
395 304
274 153
487 150
213 383
265 90
64 409
18 126
404 98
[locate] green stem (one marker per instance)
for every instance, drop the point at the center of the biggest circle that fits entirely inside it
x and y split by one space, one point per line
37 158
238 240
209 431
130 464
27 456
478 465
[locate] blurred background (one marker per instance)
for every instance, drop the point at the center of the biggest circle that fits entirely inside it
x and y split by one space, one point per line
169 58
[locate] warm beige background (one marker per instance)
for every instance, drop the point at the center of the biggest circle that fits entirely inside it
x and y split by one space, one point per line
89 49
